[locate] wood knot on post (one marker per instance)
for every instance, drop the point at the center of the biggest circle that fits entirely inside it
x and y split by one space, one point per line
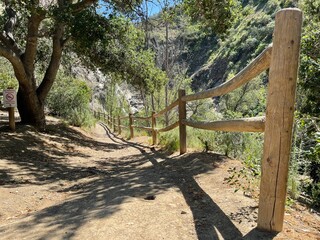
269 160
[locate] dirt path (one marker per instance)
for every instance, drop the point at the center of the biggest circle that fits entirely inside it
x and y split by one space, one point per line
67 184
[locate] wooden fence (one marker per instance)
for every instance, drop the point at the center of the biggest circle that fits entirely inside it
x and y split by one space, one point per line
282 59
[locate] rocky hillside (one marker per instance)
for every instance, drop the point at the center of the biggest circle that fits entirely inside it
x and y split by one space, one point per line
209 59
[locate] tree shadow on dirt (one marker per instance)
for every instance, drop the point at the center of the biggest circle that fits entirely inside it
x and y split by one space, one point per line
95 198
39 158
210 220
99 191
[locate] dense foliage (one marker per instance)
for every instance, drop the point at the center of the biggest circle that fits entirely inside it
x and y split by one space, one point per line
119 46
215 15
306 145
310 59
70 100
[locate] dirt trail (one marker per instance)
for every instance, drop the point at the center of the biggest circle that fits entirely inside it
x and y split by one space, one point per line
68 184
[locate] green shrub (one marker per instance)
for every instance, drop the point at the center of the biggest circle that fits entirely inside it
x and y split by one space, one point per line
7 78
170 140
203 140
69 99
315 194
293 186
81 118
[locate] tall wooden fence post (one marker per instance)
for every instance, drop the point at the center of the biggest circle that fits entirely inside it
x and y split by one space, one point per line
154 131
279 119
130 126
182 127
119 125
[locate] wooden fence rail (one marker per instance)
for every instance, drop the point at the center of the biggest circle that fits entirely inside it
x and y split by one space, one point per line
255 124
142 118
169 128
257 66
282 57
167 109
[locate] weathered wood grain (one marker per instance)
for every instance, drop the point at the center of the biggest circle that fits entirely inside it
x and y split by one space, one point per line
255 124
279 119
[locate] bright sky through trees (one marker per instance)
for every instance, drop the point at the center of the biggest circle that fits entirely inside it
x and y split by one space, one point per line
152 6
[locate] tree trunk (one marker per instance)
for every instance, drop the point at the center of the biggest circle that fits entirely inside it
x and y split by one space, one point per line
152 102
167 71
31 110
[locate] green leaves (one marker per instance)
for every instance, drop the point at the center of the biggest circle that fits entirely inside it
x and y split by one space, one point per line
115 45
68 94
310 59
7 78
214 14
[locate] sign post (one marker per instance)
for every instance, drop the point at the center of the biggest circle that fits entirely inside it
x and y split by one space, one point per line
10 102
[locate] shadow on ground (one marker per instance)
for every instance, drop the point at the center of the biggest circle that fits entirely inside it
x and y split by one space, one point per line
45 160
210 221
104 188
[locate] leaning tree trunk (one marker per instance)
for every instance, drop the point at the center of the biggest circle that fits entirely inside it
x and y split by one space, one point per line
31 98
31 110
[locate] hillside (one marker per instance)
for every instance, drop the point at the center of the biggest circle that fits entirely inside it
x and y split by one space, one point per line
210 59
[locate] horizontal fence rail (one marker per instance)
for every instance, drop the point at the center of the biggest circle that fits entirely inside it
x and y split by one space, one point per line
257 66
143 118
255 124
282 60
167 109
168 128
143 128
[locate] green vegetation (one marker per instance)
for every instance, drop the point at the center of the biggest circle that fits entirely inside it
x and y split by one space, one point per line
306 148
70 100
215 15
6 76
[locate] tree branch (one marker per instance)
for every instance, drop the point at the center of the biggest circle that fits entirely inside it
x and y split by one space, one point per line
79 6
11 22
6 37
17 65
32 41
51 73
10 44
